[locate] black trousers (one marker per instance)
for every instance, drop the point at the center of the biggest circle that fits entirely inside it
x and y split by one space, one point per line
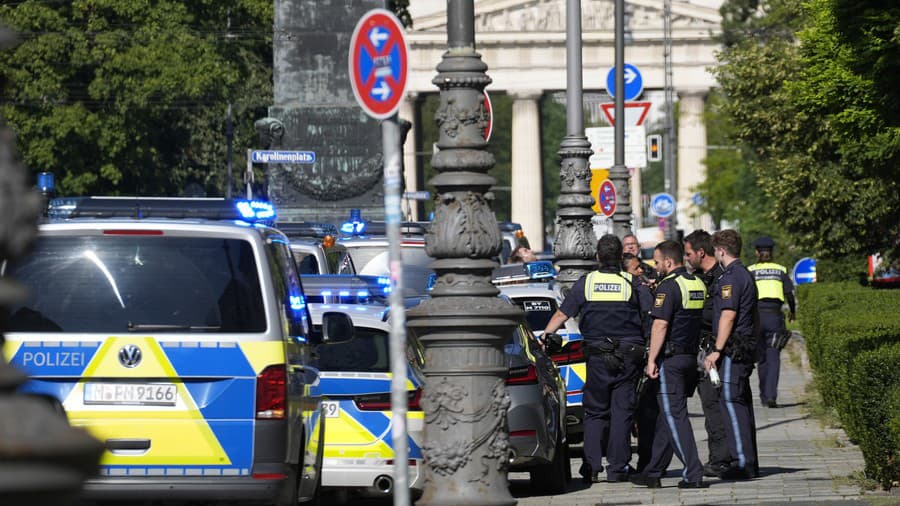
769 365
674 434
716 439
646 416
609 402
736 403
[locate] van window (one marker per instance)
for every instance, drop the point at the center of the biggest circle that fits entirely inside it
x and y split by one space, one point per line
155 284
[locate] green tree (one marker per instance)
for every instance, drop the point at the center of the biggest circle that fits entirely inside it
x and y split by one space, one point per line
129 96
823 151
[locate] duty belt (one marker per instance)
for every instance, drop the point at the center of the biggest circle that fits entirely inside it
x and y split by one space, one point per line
679 349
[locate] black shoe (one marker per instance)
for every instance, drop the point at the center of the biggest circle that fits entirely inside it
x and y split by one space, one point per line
692 484
771 403
736 473
617 478
714 470
588 476
645 481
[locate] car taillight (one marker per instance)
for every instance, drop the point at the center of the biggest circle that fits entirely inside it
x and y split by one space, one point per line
382 402
271 391
522 375
571 352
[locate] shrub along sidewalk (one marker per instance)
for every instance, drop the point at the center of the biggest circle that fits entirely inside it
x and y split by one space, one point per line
853 338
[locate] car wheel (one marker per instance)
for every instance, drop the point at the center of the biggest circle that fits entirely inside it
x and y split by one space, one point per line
553 477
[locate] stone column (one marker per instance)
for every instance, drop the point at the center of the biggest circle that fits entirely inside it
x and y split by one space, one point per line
410 167
527 194
691 152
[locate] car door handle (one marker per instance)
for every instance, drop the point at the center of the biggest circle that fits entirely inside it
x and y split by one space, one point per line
128 446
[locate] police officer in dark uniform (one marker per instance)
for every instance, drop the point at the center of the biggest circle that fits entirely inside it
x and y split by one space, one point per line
677 317
698 252
734 325
610 303
775 288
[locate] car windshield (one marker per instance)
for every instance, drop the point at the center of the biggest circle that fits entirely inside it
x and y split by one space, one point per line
373 261
538 311
368 351
119 284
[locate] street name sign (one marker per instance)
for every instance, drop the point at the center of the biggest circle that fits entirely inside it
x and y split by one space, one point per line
634 82
379 60
286 157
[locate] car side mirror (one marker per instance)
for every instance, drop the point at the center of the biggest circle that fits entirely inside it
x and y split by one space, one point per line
337 327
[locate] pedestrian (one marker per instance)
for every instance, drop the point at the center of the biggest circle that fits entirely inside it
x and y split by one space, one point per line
698 252
734 328
646 411
674 336
522 254
610 304
774 287
630 244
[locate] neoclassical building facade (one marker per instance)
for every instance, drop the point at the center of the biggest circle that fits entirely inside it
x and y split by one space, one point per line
523 43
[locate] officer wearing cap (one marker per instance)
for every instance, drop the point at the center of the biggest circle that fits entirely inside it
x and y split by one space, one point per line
734 326
698 252
677 318
611 303
775 288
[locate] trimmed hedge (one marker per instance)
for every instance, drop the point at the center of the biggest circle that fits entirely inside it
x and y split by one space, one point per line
853 338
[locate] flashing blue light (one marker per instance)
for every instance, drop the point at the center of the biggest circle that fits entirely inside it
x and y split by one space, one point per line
344 293
326 293
540 269
297 302
384 281
45 182
432 279
256 210
362 294
354 226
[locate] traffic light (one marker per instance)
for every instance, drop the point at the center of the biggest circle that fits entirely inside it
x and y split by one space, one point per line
654 148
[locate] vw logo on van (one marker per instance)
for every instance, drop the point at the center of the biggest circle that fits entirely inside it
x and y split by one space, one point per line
130 356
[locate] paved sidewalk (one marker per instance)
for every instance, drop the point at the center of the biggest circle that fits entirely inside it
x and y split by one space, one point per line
800 461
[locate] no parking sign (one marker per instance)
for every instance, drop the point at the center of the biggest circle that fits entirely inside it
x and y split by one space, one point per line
378 63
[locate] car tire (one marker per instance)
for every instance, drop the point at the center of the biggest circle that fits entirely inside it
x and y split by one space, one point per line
553 477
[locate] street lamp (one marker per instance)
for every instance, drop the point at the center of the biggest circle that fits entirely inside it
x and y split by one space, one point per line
575 244
464 326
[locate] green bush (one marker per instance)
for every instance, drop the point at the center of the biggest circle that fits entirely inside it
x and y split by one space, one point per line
850 269
875 378
849 329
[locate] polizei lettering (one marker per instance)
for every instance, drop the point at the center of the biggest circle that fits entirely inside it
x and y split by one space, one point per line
53 359
607 287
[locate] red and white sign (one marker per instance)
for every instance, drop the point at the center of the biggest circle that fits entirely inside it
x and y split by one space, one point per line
606 198
379 58
490 111
635 112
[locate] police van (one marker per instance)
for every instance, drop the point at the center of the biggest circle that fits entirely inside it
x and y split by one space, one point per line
176 332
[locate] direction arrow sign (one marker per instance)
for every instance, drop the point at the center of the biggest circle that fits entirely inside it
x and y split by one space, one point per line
263 156
490 111
606 198
378 63
804 271
634 82
662 205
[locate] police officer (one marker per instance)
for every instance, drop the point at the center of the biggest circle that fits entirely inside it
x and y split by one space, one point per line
734 327
775 288
698 252
610 303
677 317
631 245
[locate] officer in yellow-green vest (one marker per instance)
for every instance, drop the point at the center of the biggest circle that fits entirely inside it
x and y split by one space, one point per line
775 288
674 340
611 304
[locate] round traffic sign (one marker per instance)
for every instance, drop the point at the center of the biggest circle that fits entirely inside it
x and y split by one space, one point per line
634 82
378 63
606 198
662 205
804 271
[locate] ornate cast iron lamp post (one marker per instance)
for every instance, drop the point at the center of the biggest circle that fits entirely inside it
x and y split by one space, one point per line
575 244
465 325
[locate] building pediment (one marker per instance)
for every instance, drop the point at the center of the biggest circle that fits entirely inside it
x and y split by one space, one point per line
497 16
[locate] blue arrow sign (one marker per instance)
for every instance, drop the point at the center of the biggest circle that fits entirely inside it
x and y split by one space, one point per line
634 82
260 156
804 271
662 205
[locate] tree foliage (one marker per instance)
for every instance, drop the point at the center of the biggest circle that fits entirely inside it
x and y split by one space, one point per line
129 96
815 120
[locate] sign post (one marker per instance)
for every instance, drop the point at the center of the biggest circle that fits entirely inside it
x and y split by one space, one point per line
378 71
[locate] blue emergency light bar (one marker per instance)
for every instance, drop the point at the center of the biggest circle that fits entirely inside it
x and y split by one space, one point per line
530 271
250 211
356 225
